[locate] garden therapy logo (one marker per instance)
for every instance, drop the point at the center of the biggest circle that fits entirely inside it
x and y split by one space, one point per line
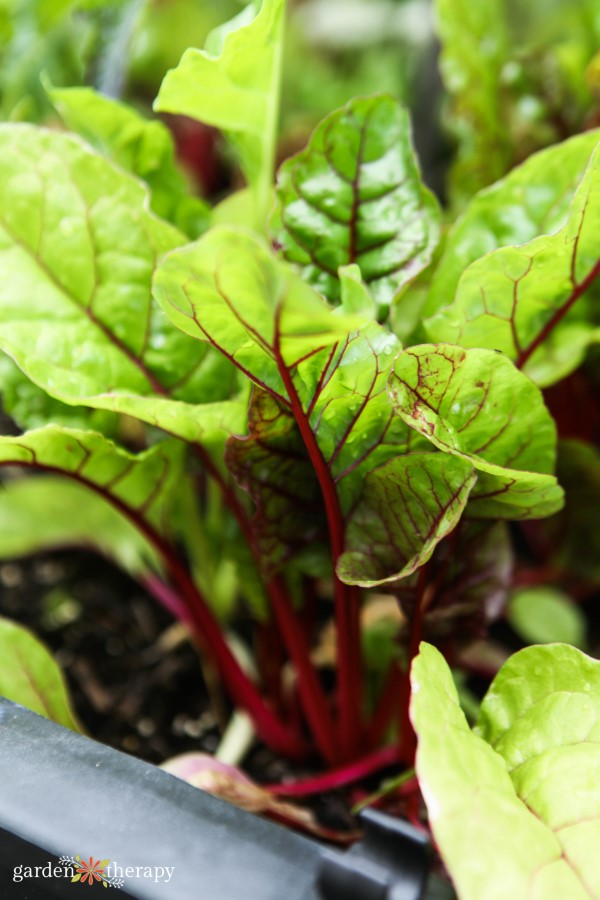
93 870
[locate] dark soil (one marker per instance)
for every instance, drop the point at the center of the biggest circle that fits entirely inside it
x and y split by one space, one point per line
135 680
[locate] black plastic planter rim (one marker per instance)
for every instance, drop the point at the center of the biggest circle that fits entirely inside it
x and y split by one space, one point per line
64 795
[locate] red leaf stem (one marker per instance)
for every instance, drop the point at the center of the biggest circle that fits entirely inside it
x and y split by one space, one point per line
346 597
578 290
340 777
200 617
312 695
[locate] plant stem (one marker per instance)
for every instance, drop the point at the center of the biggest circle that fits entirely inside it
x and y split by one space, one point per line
340 777
346 597
200 617
310 690
312 696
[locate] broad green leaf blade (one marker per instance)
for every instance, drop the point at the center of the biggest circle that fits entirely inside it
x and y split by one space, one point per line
541 716
544 614
51 512
234 85
228 290
531 200
407 506
516 299
31 407
475 404
475 46
475 802
29 676
271 463
141 485
140 146
355 195
78 248
330 367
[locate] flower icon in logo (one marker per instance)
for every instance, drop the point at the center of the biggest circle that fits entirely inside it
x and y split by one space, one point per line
90 871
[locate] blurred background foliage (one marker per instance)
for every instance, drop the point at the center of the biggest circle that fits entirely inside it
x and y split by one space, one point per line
518 75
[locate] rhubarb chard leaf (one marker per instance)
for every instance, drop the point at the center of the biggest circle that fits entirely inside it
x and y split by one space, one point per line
140 486
78 248
271 463
328 367
521 791
475 404
536 302
234 84
531 200
72 516
140 146
30 677
407 506
355 196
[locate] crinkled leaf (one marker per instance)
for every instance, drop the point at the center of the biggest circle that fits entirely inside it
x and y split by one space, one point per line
407 506
474 43
29 675
140 146
531 200
521 792
229 290
543 614
355 195
271 463
78 248
516 298
234 85
142 485
475 404
51 512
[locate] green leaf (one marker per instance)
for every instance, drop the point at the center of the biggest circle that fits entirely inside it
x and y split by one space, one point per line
317 362
517 298
355 195
140 146
521 791
31 407
407 506
475 404
544 614
475 45
141 486
271 463
30 677
531 200
234 85
51 512
78 248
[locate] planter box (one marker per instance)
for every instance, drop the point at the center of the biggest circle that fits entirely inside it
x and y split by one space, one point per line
65 795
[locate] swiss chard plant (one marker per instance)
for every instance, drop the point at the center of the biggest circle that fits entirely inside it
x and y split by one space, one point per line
342 403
